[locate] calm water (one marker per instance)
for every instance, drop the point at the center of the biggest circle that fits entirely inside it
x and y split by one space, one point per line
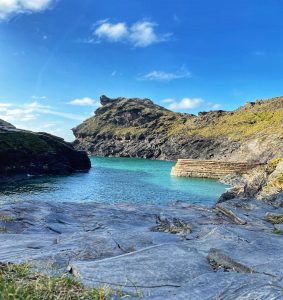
117 180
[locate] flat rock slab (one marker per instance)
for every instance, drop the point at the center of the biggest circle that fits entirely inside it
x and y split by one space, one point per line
257 250
228 286
247 212
116 245
166 266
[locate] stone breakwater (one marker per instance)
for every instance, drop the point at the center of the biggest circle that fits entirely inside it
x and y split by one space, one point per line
209 168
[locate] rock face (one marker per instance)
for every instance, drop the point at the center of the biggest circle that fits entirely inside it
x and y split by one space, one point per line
139 128
24 153
209 168
263 183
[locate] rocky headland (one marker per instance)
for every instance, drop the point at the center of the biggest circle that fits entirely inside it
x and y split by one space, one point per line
139 128
25 153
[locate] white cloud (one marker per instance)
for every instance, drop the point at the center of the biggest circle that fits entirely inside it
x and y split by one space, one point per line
11 7
86 101
166 76
140 34
32 111
213 105
189 103
3 106
112 32
186 103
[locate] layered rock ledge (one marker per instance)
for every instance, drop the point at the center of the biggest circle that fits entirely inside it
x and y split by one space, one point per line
210 168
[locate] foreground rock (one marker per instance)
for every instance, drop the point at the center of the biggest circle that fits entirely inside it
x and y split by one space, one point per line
155 252
24 153
139 128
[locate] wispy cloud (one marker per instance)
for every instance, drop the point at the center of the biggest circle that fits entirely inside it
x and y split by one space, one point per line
168 100
139 34
31 111
158 75
38 97
189 104
213 105
86 101
9 8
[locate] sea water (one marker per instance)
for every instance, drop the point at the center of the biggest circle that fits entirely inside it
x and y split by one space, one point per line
113 180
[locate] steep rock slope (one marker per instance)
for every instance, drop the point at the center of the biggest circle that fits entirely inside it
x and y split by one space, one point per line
25 152
139 128
263 183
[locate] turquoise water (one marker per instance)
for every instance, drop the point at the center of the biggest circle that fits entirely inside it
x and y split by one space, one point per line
117 180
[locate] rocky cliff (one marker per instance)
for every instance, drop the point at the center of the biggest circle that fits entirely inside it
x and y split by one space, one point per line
139 128
24 153
262 183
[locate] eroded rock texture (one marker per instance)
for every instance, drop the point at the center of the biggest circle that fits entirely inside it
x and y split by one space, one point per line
207 256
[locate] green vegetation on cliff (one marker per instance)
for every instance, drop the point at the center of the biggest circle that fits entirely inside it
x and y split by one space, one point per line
24 153
13 141
260 118
138 128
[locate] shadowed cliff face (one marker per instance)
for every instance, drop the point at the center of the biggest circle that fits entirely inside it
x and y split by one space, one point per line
24 153
139 128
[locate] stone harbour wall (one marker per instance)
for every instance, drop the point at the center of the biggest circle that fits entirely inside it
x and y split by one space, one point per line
209 168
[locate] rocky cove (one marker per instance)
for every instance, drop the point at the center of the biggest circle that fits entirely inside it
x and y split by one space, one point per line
229 250
179 251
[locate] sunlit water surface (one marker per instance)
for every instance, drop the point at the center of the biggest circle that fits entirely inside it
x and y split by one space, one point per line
117 180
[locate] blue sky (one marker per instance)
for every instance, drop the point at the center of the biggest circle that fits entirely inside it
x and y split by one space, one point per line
58 57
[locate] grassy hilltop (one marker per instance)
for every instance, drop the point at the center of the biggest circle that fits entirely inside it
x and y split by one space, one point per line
130 127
